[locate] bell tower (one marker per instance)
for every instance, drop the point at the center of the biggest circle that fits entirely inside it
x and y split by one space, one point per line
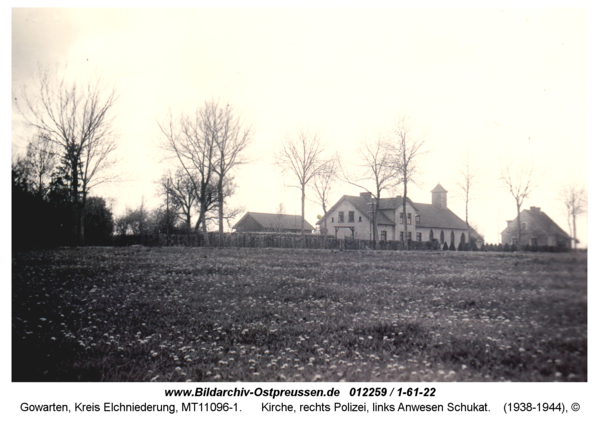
438 197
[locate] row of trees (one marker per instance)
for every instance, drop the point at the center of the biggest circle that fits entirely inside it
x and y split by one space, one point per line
75 140
74 122
42 208
385 161
392 158
206 146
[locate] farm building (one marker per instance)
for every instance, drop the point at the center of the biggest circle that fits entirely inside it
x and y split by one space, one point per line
537 229
351 216
263 222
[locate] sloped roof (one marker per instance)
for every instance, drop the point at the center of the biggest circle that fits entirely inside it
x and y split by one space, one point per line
547 223
438 188
392 203
432 216
542 222
359 203
277 221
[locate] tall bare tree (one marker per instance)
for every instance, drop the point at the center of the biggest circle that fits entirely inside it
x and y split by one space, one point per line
375 172
574 198
228 213
190 139
406 148
180 195
304 156
209 144
519 178
79 120
324 182
467 182
232 138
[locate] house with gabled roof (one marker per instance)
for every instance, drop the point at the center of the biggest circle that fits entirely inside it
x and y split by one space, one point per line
264 222
537 229
352 217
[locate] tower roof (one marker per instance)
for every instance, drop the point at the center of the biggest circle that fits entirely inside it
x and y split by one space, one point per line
439 188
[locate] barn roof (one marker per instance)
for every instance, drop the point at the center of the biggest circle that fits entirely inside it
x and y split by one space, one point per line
277 221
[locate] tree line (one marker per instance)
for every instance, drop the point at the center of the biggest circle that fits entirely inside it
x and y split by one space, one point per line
73 145
43 211
72 150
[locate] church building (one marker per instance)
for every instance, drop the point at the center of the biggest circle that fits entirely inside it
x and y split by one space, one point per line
351 216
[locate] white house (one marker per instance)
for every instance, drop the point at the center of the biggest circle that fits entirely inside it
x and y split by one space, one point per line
351 216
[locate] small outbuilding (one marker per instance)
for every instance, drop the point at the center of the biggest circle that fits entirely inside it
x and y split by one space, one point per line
264 222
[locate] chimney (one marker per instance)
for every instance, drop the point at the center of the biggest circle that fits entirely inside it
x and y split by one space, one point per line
535 209
366 196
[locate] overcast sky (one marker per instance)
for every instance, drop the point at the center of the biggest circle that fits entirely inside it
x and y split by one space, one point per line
504 83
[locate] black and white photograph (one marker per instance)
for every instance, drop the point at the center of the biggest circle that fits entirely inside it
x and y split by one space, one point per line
310 195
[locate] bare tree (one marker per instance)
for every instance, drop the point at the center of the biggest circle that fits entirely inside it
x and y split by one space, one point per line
180 194
191 141
324 182
232 138
304 156
164 187
228 213
375 173
519 178
574 198
406 148
208 145
467 182
78 120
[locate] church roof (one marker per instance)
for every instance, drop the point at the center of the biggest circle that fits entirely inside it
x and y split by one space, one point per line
432 216
439 188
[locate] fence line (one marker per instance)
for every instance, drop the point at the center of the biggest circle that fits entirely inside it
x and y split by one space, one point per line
308 241
268 240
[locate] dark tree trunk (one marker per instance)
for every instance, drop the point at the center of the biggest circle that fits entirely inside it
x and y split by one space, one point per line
518 225
574 233
220 195
404 219
302 205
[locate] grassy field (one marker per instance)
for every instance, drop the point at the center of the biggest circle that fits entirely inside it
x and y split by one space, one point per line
177 314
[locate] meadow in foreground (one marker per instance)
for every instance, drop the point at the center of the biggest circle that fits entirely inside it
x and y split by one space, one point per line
200 314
